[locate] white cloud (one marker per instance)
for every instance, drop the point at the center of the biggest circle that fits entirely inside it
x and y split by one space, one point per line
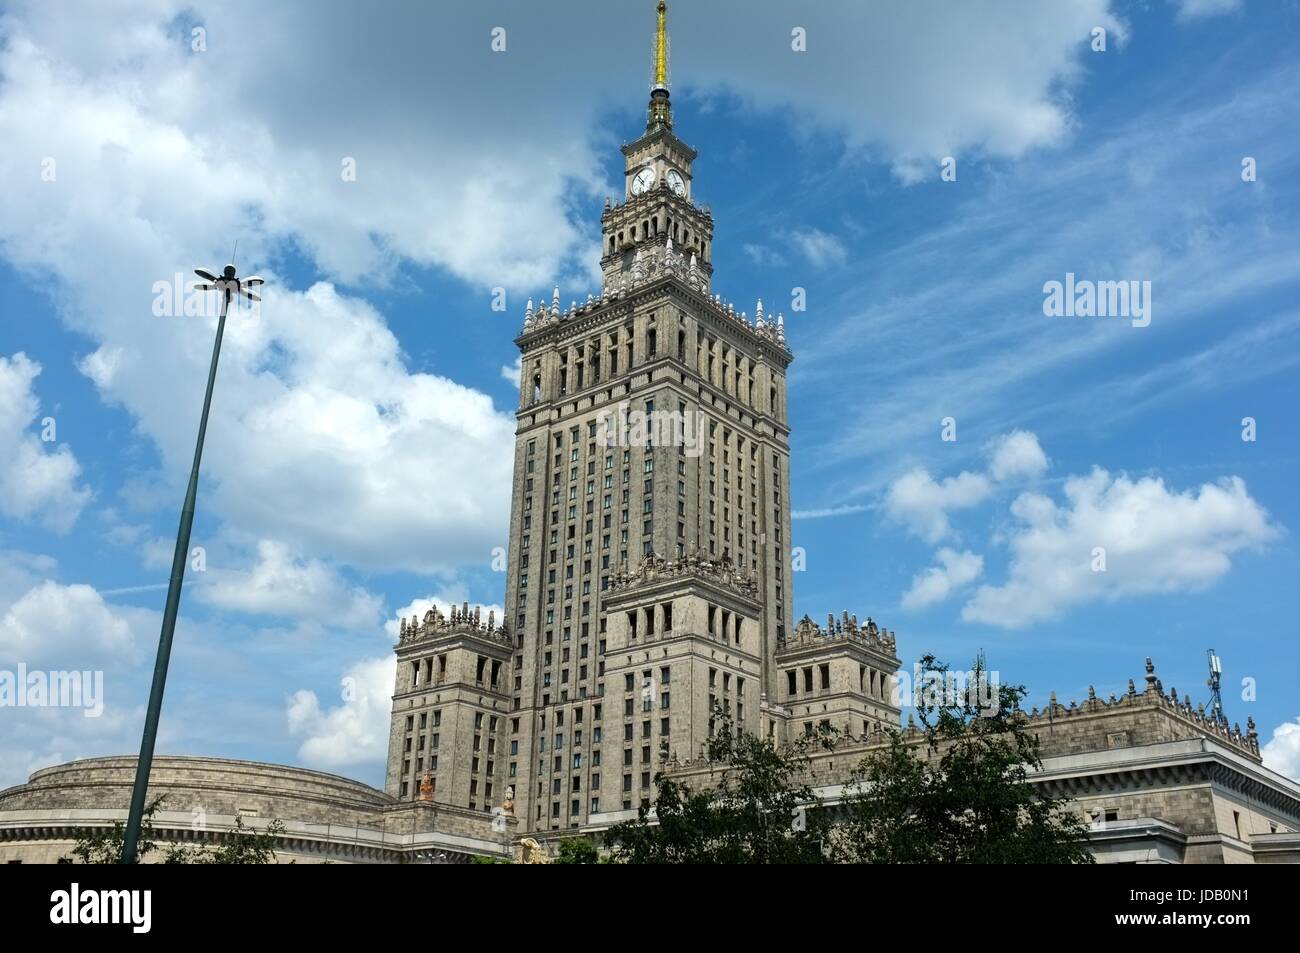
283 584
315 410
20 572
1203 9
51 627
932 79
1017 455
153 551
939 582
1156 540
1282 751
71 627
817 514
763 255
922 504
511 373
820 249
35 485
101 366
353 733
36 738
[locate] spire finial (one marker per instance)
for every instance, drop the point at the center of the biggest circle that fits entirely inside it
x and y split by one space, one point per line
661 113
661 48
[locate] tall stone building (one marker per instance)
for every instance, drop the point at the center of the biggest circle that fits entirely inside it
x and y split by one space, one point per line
649 572
649 584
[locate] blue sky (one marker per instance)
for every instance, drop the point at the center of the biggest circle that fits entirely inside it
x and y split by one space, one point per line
358 457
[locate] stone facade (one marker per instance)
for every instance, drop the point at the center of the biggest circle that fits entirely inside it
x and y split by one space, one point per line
649 580
1156 779
649 583
649 567
600 507
327 818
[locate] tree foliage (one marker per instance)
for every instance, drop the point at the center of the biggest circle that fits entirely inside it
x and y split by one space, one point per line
962 795
577 850
243 845
755 814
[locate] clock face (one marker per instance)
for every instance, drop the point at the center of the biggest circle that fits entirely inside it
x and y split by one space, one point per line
643 180
676 182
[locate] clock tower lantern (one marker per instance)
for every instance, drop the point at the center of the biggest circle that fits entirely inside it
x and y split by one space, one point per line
657 212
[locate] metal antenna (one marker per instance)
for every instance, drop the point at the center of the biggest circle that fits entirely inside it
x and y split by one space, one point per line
236 249
1216 699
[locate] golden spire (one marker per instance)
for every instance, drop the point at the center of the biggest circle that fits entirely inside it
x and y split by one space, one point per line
661 114
661 47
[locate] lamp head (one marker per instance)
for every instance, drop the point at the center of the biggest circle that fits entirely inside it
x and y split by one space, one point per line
229 273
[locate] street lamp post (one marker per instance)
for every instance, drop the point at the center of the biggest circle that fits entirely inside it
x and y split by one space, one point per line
229 286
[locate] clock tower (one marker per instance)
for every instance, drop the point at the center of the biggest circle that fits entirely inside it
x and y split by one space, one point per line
648 577
657 210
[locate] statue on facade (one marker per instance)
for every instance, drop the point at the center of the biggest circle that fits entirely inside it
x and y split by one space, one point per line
531 852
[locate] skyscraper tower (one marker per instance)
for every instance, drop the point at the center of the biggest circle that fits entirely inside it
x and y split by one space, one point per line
649 562
649 571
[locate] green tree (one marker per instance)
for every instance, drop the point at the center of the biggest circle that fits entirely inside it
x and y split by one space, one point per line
754 813
241 846
961 792
104 845
577 850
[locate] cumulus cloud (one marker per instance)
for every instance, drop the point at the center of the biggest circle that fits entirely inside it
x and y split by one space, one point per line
49 626
353 733
70 627
1155 540
923 503
39 481
20 571
1017 455
920 502
101 366
939 582
1282 751
511 373
1149 537
281 583
316 411
930 80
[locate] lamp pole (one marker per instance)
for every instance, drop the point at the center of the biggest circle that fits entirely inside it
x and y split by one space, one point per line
229 286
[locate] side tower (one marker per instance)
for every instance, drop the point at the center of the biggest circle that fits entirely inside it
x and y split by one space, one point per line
448 733
649 562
